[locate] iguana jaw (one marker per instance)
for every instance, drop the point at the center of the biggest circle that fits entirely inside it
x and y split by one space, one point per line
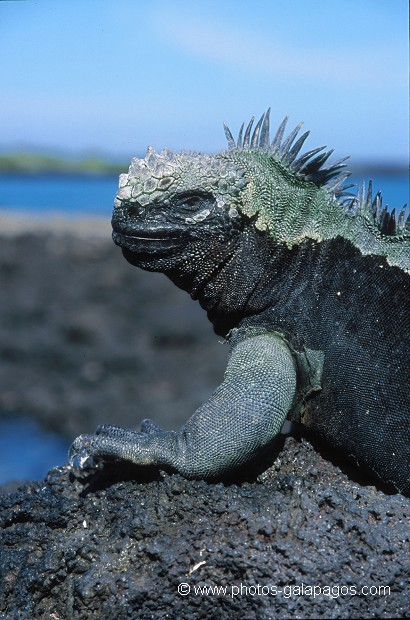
146 236
144 245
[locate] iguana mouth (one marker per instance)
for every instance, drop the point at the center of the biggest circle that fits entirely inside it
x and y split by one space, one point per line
140 237
144 244
146 234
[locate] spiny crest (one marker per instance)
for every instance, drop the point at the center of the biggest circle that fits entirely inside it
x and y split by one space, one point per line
309 166
287 151
387 221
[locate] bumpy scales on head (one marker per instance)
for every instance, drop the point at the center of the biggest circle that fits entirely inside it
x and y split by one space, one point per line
162 175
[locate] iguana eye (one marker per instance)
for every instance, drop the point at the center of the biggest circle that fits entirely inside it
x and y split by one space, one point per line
194 201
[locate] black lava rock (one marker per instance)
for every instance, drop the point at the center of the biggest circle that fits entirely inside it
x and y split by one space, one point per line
301 540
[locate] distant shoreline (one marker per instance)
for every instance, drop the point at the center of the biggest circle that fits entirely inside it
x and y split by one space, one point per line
369 168
42 164
60 173
365 169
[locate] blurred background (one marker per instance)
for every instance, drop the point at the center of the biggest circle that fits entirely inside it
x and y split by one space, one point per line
85 85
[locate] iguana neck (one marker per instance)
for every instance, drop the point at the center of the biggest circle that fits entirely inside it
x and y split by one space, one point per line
244 280
254 277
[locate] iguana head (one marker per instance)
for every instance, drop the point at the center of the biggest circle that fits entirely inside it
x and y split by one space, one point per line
168 199
185 212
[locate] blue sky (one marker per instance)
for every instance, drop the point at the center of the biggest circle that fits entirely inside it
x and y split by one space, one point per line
117 75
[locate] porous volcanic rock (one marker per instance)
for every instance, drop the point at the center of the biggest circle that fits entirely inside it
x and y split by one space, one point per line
116 542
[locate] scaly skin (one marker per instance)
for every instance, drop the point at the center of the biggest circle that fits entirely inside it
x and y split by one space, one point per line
209 444
309 284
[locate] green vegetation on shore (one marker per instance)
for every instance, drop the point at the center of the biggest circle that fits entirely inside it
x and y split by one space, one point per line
31 162
41 163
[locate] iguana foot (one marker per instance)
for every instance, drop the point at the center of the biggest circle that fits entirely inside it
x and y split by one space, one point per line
113 442
244 414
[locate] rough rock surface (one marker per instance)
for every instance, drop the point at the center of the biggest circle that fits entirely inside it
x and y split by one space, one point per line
117 543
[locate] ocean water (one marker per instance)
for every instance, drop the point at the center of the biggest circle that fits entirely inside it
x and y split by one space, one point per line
394 188
72 195
94 195
26 451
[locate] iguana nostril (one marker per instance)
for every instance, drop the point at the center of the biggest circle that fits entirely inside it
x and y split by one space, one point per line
132 210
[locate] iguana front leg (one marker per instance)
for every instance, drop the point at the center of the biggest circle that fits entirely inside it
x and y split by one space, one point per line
242 416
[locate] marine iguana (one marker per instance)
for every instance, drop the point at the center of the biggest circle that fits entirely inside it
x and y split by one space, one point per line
309 283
